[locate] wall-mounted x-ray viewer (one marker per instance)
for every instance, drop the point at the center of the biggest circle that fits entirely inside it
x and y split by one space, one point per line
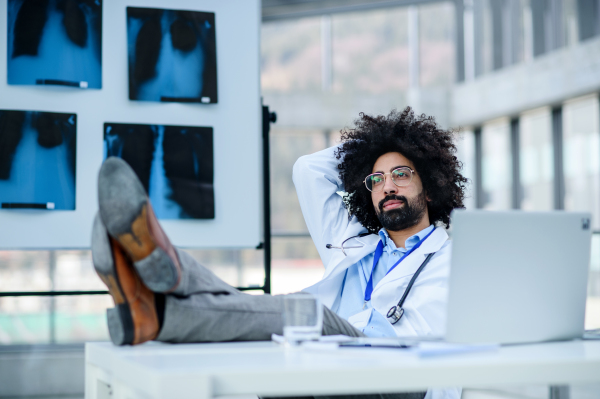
172 55
174 163
37 160
55 42
236 140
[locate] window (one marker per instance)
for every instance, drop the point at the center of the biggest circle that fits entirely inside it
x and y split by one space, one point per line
496 165
581 149
588 12
370 51
291 56
296 263
35 320
80 318
536 161
465 144
436 44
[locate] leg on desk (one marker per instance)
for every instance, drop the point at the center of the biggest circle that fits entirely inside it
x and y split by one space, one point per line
161 292
203 308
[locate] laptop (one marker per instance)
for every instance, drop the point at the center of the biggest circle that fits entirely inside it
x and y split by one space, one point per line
518 277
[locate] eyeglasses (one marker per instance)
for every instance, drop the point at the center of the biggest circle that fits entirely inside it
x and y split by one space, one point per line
401 177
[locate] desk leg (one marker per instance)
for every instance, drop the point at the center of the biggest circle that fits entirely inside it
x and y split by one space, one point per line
559 392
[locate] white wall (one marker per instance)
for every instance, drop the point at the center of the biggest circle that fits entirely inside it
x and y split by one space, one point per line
236 120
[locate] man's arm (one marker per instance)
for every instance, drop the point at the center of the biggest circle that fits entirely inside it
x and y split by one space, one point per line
317 182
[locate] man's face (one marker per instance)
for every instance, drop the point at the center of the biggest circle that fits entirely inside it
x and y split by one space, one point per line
398 208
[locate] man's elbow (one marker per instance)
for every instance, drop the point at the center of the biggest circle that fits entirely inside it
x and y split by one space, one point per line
299 169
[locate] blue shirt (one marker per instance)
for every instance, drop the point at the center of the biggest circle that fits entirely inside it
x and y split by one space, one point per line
355 282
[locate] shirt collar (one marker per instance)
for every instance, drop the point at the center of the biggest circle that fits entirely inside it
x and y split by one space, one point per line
390 246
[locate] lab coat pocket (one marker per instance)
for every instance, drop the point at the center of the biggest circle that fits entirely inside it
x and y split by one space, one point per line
428 309
379 326
361 320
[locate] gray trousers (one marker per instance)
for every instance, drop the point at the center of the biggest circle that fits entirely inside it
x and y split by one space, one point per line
204 308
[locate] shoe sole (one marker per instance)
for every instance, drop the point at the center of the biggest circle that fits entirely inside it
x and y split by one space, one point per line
129 218
119 319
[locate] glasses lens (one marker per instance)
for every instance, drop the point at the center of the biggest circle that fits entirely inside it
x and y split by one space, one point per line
402 176
375 182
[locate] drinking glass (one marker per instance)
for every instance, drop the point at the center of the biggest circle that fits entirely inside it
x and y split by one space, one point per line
302 318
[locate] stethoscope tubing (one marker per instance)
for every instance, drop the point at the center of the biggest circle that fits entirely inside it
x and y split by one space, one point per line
397 311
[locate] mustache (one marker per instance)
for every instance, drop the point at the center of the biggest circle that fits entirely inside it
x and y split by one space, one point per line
392 197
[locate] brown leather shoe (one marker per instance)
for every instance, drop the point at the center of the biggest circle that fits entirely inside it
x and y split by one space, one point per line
127 214
134 319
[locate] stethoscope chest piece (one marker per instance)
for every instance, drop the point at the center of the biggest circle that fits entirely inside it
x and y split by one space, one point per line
395 314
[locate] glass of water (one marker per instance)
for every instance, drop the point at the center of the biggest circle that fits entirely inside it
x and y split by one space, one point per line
302 318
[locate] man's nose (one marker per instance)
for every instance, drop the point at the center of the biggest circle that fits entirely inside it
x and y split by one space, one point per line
389 187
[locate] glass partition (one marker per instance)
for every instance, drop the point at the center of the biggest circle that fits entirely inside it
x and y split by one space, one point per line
370 51
437 25
291 55
536 160
581 153
296 264
465 144
496 165
592 311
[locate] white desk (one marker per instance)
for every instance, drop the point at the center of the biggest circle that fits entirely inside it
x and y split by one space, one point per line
181 371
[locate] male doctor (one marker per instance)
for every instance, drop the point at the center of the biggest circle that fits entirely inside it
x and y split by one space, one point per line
370 206
398 176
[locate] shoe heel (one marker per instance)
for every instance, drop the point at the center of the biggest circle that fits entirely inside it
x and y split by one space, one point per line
120 325
158 271
138 241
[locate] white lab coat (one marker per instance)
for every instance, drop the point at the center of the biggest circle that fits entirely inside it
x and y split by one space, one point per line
317 182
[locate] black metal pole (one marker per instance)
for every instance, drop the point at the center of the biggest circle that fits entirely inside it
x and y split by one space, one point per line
517 194
267 119
557 141
460 40
480 201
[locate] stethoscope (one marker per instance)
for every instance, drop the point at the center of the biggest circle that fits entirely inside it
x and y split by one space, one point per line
397 311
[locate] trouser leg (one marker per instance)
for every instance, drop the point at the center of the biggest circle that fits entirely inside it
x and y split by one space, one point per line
203 308
197 279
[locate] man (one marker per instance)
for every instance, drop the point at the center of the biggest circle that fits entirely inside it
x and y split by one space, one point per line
418 183
399 175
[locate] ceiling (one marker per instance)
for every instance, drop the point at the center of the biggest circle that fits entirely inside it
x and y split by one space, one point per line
273 10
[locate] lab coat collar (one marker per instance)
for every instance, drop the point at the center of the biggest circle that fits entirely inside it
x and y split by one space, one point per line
328 288
384 235
343 262
412 262
435 241
432 244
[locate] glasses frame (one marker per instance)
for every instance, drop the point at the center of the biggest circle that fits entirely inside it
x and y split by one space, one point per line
412 172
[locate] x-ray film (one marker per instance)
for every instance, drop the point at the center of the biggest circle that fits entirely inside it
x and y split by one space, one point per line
172 55
37 160
55 42
174 163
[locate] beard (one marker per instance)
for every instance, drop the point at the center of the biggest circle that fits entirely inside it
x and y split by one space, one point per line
404 217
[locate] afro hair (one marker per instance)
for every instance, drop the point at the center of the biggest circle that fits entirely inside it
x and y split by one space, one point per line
418 138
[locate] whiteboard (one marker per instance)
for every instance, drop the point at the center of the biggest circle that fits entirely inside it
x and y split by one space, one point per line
235 119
